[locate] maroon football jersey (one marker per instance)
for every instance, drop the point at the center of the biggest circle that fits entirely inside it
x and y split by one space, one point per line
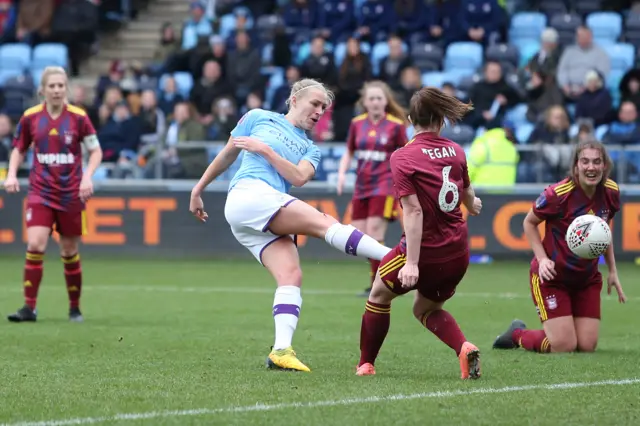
435 169
56 173
372 145
558 205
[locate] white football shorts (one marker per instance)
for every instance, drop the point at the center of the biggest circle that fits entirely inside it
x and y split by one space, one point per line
251 206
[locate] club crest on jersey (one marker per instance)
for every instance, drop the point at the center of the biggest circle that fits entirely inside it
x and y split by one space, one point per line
384 139
68 138
551 302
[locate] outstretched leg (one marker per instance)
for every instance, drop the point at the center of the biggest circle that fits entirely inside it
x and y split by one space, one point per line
299 218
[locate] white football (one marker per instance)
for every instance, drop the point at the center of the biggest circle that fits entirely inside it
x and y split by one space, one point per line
588 236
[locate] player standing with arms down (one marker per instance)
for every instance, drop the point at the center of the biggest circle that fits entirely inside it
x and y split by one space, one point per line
58 188
431 180
565 288
373 137
265 218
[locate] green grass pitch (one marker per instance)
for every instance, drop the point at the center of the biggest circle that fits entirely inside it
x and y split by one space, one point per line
184 343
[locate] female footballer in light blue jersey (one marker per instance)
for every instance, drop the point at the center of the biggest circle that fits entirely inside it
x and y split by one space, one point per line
265 218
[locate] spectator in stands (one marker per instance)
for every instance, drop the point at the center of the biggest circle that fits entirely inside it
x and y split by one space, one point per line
112 97
630 87
216 50
393 64
335 19
300 17
482 20
444 22
577 60
169 97
243 68
585 132
6 138
412 18
595 102
354 72
225 118
553 137
542 92
79 98
410 82
112 79
168 47
376 21
492 97
196 26
241 24
210 87
547 59
153 122
319 64
493 157
254 101
120 135
34 21
281 94
183 129
7 16
626 131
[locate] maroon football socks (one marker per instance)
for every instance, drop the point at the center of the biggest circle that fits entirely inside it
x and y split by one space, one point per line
32 277
532 340
73 278
444 326
375 325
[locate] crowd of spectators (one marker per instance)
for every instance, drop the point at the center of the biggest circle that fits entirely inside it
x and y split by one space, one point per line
548 73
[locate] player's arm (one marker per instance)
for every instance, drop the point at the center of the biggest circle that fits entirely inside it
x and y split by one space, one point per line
347 157
95 154
15 159
530 225
412 220
220 163
469 199
296 174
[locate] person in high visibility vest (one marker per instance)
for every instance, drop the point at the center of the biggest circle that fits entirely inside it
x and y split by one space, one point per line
493 158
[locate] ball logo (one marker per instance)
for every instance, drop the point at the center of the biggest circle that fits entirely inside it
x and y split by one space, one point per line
68 138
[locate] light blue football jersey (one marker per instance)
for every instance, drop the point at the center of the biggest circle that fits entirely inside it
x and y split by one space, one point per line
283 137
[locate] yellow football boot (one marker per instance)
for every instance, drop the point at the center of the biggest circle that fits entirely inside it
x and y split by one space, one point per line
285 359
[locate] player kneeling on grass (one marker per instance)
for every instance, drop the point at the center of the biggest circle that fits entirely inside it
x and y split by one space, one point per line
431 179
565 288
265 218
58 188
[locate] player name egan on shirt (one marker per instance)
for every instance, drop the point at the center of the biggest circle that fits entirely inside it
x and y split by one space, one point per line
442 152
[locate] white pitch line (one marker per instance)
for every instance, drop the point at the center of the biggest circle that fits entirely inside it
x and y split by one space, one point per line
315 404
270 290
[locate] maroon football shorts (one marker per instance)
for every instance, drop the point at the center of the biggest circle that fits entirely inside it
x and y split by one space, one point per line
385 206
437 281
70 224
555 300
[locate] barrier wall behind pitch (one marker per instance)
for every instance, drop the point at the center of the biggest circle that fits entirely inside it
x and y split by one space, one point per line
139 221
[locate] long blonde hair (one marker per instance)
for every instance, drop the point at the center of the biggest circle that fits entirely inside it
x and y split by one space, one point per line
393 107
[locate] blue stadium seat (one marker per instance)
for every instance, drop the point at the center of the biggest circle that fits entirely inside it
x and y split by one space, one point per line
461 134
632 28
503 53
433 78
275 81
266 24
340 51
304 50
601 131
622 56
427 56
527 50
50 54
456 76
184 82
526 26
380 51
518 114
613 80
227 25
605 25
566 24
15 57
267 53
464 54
523 132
